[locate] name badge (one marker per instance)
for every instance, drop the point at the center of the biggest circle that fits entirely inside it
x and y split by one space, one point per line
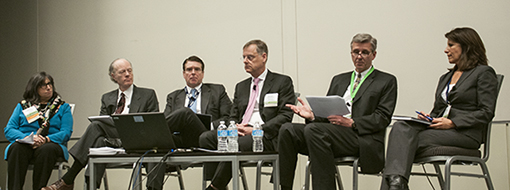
271 100
31 114
447 110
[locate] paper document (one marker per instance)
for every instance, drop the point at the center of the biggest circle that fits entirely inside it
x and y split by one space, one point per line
28 140
407 118
106 151
324 106
103 118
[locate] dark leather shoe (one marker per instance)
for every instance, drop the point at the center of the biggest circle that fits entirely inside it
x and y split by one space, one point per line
397 182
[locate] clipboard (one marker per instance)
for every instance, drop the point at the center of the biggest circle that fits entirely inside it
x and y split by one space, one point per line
324 106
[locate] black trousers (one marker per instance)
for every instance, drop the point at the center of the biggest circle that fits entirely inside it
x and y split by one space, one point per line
409 138
43 158
93 138
186 128
322 142
223 172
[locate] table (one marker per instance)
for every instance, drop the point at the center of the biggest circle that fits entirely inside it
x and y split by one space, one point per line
191 157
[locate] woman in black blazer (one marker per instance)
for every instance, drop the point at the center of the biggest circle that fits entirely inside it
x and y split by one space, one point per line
465 101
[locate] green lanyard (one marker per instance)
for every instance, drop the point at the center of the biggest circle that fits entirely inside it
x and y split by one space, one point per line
353 76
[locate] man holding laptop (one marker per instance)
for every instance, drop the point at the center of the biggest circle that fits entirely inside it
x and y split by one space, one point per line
201 98
128 98
371 95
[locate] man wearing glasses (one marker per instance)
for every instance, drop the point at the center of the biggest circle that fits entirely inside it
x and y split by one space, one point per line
260 98
370 94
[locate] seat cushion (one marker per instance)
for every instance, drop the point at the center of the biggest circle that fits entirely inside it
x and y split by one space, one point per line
448 151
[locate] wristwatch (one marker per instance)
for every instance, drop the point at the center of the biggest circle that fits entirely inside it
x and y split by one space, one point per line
353 126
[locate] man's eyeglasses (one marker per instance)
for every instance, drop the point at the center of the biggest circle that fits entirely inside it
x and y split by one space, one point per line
249 57
362 53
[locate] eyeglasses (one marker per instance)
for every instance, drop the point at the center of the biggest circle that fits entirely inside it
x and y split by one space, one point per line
249 57
363 53
45 85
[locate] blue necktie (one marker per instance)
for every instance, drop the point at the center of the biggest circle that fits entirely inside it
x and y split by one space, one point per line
193 100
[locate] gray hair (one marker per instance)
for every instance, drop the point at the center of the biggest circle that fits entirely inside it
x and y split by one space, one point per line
111 70
365 38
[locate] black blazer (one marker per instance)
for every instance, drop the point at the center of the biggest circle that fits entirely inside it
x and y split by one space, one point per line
214 101
372 109
473 100
273 117
144 100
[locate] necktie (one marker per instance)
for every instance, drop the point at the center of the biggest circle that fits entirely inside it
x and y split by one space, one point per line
193 100
252 102
120 105
356 83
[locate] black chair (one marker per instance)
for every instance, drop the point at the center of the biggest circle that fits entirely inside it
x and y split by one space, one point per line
448 156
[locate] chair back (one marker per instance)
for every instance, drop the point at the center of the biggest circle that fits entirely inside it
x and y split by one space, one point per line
487 135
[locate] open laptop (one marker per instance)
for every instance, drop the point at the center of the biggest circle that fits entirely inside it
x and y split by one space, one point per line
140 132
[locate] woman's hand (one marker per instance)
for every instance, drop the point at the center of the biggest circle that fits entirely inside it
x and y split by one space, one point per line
442 123
38 141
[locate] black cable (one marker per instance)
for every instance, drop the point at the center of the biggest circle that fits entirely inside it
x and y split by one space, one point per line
139 167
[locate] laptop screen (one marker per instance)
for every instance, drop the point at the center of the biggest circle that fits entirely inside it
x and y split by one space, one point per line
141 132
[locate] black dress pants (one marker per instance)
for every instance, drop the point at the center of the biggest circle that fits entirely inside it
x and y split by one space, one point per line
323 142
186 128
93 138
43 158
409 138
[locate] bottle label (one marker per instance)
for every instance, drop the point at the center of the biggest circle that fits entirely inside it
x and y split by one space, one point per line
222 133
232 133
257 133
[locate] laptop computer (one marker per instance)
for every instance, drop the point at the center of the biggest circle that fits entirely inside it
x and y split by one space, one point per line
140 132
206 119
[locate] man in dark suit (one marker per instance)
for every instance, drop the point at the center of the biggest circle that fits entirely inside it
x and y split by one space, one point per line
267 107
370 94
128 98
207 98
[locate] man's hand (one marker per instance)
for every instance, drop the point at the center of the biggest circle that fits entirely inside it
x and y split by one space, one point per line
243 129
304 111
340 120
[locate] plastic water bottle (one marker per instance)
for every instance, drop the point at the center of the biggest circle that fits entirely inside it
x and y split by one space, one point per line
222 137
257 134
233 146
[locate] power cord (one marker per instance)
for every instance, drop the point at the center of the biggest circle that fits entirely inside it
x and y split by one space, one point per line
139 163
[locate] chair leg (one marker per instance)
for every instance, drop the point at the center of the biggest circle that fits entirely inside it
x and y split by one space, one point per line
487 177
179 176
355 175
306 186
442 181
259 175
105 181
339 179
243 177
204 181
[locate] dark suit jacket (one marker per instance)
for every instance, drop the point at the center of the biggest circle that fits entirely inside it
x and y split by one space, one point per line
273 117
473 100
372 109
144 100
214 101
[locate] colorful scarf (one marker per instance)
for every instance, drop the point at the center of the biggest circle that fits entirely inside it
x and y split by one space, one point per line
45 113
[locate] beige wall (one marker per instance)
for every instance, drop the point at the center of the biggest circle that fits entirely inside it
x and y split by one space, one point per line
308 40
